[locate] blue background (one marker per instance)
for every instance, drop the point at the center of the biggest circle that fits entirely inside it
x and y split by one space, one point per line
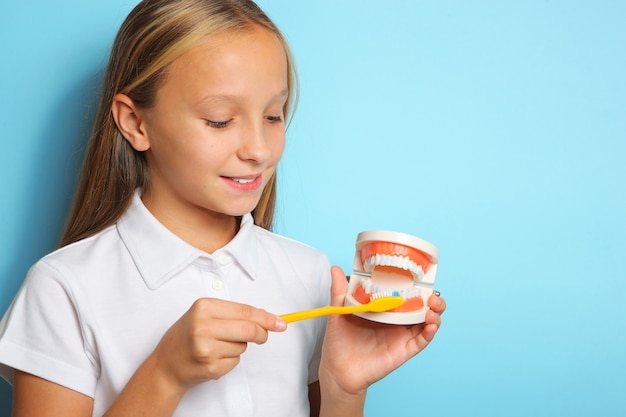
495 130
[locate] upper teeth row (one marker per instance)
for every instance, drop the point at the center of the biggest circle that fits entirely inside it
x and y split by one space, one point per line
243 180
396 261
378 291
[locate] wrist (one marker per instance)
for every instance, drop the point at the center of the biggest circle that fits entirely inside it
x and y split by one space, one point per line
164 379
149 392
336 400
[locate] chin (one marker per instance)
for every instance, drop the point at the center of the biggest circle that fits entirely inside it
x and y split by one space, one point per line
241 209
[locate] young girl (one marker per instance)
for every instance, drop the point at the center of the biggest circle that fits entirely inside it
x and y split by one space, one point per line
159 301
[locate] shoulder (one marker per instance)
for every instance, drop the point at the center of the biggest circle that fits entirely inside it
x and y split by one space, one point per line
81 259
85 249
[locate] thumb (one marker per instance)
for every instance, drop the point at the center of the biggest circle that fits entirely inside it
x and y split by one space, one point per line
339 286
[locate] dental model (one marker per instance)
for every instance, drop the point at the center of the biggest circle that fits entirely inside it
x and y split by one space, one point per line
393 264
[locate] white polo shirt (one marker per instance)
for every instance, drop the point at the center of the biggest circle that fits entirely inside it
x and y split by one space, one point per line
90 313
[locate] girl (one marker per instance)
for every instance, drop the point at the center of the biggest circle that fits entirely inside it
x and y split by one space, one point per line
147 309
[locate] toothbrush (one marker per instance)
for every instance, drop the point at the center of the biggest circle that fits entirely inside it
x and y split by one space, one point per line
377 305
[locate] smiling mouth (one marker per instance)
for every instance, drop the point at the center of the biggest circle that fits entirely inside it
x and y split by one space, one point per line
245 183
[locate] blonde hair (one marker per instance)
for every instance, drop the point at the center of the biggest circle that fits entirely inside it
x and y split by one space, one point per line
153 35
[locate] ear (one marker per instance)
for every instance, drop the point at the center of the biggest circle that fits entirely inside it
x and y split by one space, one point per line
129 121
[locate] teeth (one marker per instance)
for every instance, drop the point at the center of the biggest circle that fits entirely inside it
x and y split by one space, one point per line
366 283
411 292
377 291
243 180
385 292
403 262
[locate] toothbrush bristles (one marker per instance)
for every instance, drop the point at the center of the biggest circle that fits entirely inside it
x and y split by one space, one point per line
384 293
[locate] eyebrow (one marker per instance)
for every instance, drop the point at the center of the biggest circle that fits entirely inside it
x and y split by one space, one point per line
283 93
217 98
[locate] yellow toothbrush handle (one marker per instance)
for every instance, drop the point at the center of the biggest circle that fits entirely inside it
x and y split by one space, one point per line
317 312
377 305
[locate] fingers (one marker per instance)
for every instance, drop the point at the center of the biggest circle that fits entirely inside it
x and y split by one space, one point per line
235 331
339 286
208 340
437 304
231 318
433 316
220 330
424 333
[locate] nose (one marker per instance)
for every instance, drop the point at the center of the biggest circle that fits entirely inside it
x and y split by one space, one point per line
255 143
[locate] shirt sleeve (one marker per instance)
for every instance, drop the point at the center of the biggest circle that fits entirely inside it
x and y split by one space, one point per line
324 280
42 334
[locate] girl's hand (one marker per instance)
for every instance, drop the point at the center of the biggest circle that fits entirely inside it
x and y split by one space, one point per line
207 341
359 352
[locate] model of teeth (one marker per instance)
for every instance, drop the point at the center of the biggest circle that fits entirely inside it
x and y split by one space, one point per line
391 263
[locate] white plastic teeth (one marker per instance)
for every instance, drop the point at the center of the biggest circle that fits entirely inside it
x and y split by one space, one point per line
386 292
403 262
378 291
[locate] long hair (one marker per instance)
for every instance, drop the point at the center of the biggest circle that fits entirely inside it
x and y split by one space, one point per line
153 35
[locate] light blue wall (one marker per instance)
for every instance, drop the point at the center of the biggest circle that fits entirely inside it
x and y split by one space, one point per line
496 130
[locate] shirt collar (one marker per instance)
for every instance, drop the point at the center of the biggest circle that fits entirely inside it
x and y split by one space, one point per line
159 254
243 247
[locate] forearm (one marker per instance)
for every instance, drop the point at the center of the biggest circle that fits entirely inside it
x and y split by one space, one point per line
148 393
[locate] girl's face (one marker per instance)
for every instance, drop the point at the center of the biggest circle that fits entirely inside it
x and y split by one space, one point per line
217 129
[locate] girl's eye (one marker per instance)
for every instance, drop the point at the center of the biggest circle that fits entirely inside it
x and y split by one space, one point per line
275 119
218 125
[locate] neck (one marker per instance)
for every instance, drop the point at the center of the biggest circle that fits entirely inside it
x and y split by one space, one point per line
203 229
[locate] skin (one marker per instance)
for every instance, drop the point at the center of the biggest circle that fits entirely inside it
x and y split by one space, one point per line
215 120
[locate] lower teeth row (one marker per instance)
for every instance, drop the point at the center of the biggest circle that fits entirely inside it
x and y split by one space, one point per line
377 291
